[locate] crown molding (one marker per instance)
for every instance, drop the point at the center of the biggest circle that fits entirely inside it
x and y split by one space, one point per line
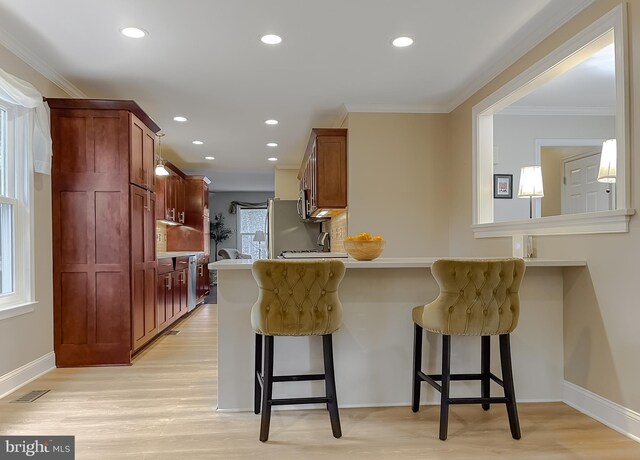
9 42
566 110
382 108
549 22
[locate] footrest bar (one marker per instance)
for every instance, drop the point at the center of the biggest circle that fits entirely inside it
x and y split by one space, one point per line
297 378
288 401
477 400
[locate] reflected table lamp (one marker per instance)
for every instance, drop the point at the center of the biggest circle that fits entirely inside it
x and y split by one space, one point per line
531 185
608 160
259 236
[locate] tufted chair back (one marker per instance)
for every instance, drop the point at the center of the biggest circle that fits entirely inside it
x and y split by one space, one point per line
297 297
477 297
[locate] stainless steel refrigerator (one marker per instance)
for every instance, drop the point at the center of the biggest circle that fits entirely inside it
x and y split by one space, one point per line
286 231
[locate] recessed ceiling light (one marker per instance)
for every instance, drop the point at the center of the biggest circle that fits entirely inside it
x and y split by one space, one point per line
272 144
272 159
209 158
180 118
271 39
401 42
133 32
197 142
271 122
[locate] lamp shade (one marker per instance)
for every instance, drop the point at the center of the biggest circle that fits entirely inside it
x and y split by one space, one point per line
161 170
259 236
608 157
531 182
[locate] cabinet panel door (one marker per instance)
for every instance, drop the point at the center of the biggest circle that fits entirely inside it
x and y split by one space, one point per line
143 267
91 241
180 293
331 164
142 157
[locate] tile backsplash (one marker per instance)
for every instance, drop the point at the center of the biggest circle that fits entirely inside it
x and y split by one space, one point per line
161 237
338 231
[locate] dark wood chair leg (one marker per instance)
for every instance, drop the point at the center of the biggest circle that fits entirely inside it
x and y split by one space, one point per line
446 378
417 366
509 392
485 353
267 387
330 385
257 388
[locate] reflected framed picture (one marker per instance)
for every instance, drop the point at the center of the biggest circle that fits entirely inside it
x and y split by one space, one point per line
503 185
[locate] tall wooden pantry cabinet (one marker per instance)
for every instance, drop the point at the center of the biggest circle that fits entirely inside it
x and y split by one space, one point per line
104 255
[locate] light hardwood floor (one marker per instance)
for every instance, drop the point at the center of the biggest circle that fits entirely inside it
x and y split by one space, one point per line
164 407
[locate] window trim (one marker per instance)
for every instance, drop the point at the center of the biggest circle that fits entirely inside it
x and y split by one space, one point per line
20 168
239 227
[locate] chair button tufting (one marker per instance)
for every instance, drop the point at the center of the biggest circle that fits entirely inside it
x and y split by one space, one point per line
461 292
330 274
450 309
329 308
323 292
495 291
501 274
306 291
508 291
469 275
500 310
485 312
478 293
275 291
284 272
290 291
268 307
317 273
299 308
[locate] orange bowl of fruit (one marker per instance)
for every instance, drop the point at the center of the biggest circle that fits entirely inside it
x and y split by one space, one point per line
364 246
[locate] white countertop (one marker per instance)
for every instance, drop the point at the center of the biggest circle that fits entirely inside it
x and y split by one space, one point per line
397 262
166 255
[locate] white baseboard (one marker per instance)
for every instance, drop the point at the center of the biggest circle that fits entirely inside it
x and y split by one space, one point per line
15 379
611 414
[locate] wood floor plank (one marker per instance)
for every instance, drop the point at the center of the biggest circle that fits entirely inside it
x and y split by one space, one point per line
164 407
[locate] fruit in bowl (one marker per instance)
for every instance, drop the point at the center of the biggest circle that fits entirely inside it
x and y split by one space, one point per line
364 246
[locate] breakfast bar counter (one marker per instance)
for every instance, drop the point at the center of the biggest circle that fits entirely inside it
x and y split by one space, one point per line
373 348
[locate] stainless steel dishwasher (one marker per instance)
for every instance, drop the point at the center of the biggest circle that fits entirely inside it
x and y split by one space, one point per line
193 282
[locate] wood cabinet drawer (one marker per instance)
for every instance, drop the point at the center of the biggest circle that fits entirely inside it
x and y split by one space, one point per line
165 265
182 262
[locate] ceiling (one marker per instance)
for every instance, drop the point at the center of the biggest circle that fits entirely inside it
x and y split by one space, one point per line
203 59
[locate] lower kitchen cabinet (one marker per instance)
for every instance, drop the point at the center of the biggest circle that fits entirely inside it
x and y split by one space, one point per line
202 282
172 284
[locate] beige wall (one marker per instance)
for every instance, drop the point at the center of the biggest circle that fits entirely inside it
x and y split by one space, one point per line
28 337
286 183
601 313
551 161
398 181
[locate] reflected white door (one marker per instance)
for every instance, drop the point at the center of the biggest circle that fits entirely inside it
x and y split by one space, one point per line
582 191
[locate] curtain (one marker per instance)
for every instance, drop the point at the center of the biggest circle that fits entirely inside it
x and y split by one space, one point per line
18 92
233 207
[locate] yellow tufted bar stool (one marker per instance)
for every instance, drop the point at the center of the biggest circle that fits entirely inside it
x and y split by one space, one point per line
296 298
477 297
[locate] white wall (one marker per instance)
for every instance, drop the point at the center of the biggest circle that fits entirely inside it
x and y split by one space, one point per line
514 138
28 337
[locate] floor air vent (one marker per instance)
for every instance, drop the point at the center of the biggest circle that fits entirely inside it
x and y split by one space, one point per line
31 396
172 333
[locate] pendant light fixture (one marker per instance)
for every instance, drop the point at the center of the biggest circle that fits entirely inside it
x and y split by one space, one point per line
160 169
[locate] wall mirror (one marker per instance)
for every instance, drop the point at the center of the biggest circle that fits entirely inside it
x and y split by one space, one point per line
556 116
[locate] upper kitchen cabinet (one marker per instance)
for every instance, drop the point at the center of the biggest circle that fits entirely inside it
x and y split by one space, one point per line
142 158
103 231
194 234
323 175
170 196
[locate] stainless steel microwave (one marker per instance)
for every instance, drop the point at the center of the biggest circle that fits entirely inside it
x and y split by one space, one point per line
302 205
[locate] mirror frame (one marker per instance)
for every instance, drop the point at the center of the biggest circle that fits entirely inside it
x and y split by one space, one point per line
552 65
